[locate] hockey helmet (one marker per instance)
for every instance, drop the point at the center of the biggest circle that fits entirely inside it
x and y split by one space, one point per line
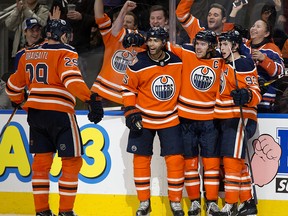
208 36
56 28
234 36
158 32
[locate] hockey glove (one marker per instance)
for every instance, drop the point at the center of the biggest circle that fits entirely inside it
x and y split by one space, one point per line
241 96
96 112
262 84
15 105
133 39
133 118
18 105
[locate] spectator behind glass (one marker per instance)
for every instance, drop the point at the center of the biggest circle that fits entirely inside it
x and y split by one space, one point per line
257 6
32 33
81 19
159 16
24 9
216 19
269 14
5 102
269 62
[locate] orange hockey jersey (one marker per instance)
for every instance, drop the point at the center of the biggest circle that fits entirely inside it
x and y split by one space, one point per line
116 59
190 23
200 83
52 76
153 87
246 75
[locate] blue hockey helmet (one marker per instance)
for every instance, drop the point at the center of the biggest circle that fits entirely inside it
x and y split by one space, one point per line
208 36
158 32
234 36
56 28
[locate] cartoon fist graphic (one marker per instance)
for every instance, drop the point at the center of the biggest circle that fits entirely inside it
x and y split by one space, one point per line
265 160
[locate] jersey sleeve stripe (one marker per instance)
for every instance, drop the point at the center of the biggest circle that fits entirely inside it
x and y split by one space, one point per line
105 25
14 88
189 23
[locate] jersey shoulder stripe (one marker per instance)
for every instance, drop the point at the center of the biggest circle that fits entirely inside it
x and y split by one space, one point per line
56 47
144 61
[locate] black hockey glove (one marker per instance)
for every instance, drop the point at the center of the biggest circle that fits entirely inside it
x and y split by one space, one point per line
15 105
263 87
241 96
133 39
133 118
95 108
18 105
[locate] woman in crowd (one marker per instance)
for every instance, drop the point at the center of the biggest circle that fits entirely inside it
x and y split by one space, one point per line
268 59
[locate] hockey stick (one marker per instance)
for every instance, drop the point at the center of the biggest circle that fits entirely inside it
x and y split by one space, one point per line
279 77
244 131
8 122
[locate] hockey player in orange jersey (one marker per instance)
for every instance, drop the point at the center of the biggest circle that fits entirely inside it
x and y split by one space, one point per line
236 104
200 82
150 92
116 57
53 79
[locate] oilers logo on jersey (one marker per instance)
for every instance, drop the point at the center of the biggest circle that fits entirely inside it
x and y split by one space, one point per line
163 87
202 78
121 59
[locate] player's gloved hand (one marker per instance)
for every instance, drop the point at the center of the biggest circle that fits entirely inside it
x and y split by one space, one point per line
241 96
96 112
263 87
133 39
15 105
19 104
133 118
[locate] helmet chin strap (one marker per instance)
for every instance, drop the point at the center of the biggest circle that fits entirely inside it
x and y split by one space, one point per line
232 56
233 65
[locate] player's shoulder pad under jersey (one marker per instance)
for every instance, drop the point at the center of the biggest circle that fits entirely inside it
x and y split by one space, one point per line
244 64
189 47
173 58
143 61
59 46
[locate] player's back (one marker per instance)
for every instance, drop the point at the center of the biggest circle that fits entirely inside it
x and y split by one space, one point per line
53 77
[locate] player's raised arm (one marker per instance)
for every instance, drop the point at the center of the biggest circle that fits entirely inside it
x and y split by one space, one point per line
118 23
99 9
188 21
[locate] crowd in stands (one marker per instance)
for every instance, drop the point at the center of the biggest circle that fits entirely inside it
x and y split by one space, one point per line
88 41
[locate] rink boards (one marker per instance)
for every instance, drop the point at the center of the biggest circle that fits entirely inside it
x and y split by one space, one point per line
106 184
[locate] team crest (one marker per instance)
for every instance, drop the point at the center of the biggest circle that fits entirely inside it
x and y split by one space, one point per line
62 147
202 78
134 148
163 87
121 59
